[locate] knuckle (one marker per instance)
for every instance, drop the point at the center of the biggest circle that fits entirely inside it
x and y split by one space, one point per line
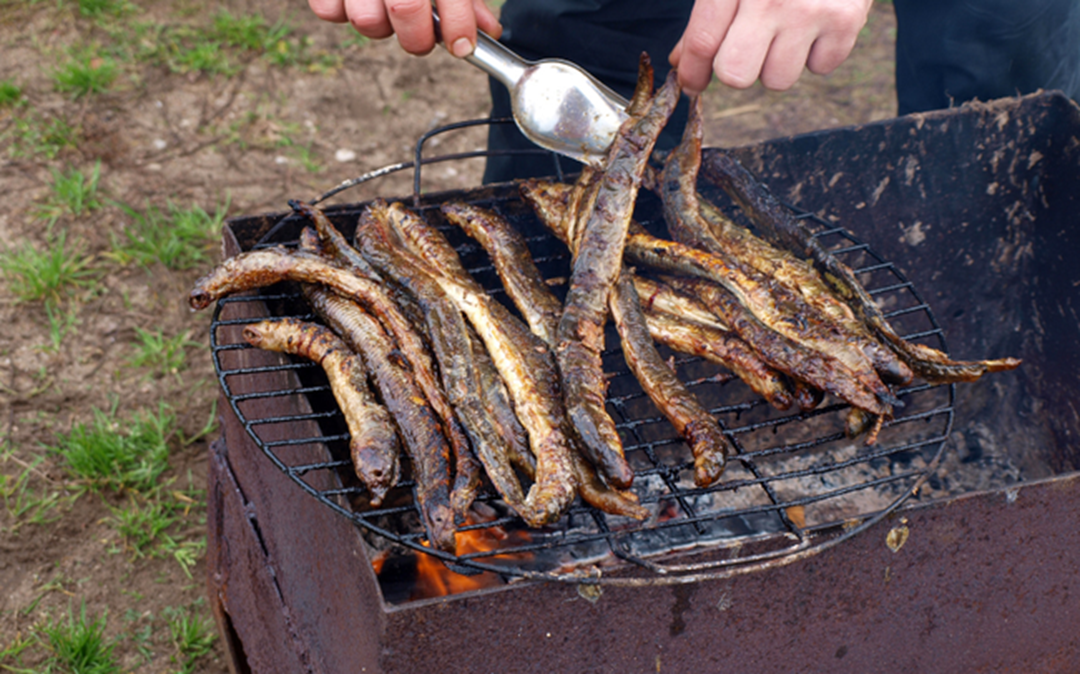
458 12
824 59
736 67
777 82
692 85
847 18
326 10
326 14
701 44
735 79
406 9
370 26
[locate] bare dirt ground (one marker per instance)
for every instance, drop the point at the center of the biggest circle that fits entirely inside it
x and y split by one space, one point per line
246 141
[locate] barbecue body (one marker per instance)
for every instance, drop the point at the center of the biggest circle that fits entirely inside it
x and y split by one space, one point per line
465 383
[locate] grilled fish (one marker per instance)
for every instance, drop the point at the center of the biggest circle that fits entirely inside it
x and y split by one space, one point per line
829 323
467 473
373 444
514 264
416 421
781 227
529 292
708 444
596 266
497 399
722 348
534 299
688 326
818 369
450 339
664 299
523 361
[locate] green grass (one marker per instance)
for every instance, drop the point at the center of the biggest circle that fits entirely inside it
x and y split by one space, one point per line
85 73
249 32
221 47
275 43
79 645
25 502
141 638
217 45
355 40
153 525
160 354
32 135
60 325
179 238
118 454
209 50
101 8
10 652
49 275
201 54
142 524
306 157
11 94
187 553
72 192
192 635
205 56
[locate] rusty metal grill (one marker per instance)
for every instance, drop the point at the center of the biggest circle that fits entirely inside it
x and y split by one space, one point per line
796 487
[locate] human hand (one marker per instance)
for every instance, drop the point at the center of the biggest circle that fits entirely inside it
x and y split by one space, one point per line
411 21
744 40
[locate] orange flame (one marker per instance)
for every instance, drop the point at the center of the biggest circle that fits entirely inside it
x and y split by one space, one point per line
433 579
379 560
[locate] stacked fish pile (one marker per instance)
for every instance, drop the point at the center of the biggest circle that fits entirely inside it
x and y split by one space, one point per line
424 362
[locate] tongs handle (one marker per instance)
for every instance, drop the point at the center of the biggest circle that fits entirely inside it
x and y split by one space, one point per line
556 104
491 57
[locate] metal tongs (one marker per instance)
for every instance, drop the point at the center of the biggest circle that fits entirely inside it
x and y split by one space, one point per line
556 103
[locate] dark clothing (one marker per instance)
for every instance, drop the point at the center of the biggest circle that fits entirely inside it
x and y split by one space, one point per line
951 51
605 37
947 52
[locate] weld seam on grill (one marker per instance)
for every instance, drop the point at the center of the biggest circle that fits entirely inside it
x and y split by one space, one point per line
284 367
893 288
846 250
281 393
292 418
304 469
921 307
293 442
920 335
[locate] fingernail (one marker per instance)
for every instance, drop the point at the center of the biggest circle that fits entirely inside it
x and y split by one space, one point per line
462 47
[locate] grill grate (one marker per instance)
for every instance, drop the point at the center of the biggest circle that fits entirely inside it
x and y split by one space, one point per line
797 485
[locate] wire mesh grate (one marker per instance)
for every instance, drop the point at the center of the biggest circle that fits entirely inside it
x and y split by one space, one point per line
797 485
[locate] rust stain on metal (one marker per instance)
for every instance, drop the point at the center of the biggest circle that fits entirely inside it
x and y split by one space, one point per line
683 595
